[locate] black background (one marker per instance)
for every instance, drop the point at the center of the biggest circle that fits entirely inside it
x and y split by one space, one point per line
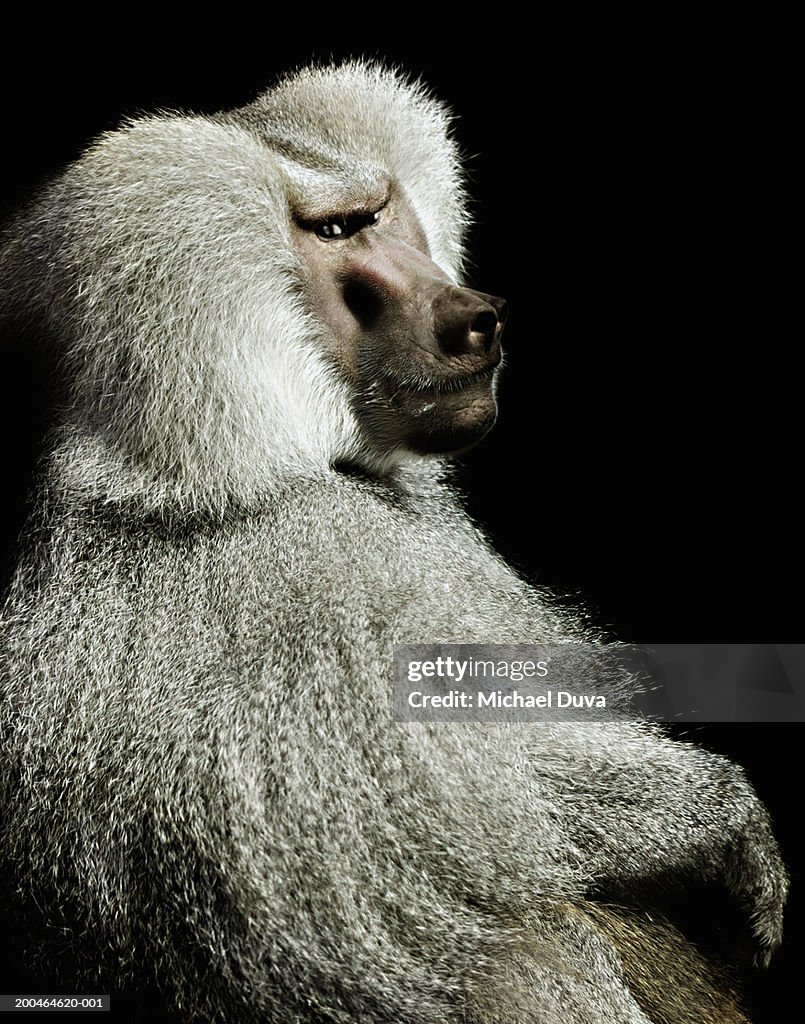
630 194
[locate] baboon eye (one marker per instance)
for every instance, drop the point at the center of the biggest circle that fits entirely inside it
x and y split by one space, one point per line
343 227
331 228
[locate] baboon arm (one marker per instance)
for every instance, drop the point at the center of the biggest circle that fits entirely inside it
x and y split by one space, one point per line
645 809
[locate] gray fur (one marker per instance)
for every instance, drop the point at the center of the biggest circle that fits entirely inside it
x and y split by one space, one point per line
201 782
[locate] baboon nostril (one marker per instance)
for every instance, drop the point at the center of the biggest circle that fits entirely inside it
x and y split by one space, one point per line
467 323
485 323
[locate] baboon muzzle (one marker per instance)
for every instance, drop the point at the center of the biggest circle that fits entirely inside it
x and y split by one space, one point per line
393 287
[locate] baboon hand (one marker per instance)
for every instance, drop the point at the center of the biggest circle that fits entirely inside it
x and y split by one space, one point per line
757 876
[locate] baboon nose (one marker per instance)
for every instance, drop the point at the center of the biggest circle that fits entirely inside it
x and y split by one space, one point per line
488 325
469 323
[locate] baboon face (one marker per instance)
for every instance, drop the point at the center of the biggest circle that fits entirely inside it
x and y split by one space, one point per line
420 354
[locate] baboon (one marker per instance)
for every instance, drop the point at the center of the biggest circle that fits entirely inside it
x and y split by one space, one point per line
260 356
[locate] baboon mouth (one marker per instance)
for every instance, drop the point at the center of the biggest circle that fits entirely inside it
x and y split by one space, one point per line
456 382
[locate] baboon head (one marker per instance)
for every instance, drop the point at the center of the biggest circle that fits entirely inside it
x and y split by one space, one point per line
271 289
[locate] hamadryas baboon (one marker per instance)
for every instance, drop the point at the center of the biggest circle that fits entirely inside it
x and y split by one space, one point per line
259 355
